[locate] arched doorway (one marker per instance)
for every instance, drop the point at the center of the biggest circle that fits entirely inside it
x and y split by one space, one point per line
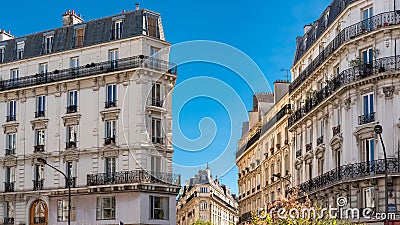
38 213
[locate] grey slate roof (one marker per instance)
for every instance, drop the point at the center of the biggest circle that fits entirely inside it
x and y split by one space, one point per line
96 32
334 9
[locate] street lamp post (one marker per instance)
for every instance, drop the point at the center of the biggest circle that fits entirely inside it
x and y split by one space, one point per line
279 176
378 130
43 161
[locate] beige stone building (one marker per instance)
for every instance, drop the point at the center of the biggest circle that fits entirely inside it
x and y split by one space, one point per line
204 198
264 156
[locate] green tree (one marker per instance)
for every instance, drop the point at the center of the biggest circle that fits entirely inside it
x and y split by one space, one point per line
201 222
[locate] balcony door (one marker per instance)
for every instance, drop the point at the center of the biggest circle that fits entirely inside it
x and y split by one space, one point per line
369 155
38 213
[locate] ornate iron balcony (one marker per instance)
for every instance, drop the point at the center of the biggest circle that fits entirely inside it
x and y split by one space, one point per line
38 148
345 35
110 104
37 185
367 118
10 151
336 130
156 102
350 172
309 147
70 144
139 61
72 109
39 114
298 153
129 177
320 140
9 221
9 186
10 118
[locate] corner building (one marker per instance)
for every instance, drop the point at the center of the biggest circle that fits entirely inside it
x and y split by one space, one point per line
345 81
91 99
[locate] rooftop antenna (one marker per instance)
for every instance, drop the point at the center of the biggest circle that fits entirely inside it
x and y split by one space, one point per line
287 73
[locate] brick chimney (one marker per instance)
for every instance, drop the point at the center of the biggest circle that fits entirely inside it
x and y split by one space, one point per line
4 36
71 18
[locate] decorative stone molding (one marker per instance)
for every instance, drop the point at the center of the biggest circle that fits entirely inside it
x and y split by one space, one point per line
39 123
320 151
71 119
365 131
308 157
10 127
336 142
388 91
110 114
366 90
10 161
298 164
109 151
347 103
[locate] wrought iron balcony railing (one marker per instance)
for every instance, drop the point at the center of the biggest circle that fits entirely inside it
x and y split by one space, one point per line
344 78
109 140
10 151
110 104
130 177
40 113
320 140
38 148
157 140
70 144
367 118
72 109
9 221
336 130
9 186
298 153
156 102
38 185
72 181
351 172
348 33
139 61
10 118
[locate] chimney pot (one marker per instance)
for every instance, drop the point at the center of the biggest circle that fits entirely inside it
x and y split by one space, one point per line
137 6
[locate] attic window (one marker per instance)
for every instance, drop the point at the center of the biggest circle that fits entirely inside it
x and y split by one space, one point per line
152 26
2 53
116 31
79 37
20 50
326 18
48 44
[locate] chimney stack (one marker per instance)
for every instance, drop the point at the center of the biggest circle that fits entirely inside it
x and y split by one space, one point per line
71 18
4 36
137 6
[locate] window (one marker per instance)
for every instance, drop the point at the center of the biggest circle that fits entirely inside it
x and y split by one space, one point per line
105 209
336 70
367 56
154 57
11 143
156 95
272 196
369 151
204 189
40 106
62 210
203 206
14 74
43 68
159 208
111 96
9 210
155 165
338 159
11 111
72 102
20 50
74 62
70 172
71 136
116 32
320 166
2 53
368 104
48 44
38 177
39 140
10 174
152 26
113 58
367 15
110 165
156 131
110 131
79 37
369 197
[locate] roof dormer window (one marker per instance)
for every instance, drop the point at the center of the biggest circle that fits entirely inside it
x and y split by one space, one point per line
2 53
116 32
48 44
20 50
151 26
79 37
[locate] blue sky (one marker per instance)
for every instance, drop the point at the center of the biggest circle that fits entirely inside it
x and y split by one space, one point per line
264 30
